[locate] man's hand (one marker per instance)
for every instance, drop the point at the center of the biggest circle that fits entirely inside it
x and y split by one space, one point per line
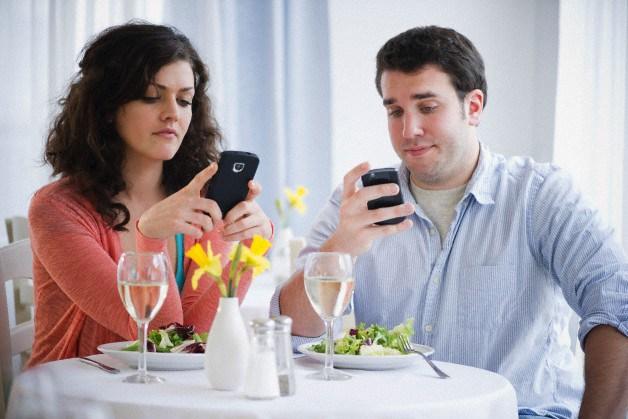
185 211
356 229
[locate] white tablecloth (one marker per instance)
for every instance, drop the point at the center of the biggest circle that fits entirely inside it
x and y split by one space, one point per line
71 389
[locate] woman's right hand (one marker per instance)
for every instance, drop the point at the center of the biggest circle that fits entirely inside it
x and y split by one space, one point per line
185 211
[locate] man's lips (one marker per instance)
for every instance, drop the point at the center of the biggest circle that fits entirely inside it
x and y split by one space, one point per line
418 151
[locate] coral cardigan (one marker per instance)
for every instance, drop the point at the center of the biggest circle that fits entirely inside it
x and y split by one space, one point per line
77 305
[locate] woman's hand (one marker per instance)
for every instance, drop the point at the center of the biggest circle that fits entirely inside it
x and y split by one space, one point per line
247 218
185 211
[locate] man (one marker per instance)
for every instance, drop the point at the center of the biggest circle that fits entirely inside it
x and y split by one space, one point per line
492 255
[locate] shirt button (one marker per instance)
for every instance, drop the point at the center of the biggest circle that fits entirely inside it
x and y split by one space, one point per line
432 231
428 328
436 280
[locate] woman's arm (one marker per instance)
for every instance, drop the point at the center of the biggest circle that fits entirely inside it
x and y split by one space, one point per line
77 250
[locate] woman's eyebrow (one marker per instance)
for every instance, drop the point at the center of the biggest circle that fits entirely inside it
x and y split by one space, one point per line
183 89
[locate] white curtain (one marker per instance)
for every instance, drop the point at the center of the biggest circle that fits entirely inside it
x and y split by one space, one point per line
269 69
591 106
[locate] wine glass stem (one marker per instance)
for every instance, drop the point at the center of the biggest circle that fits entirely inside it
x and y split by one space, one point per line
142 330
329 348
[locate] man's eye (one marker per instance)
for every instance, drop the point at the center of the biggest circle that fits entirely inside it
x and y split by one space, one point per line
394 113
184 103
428 109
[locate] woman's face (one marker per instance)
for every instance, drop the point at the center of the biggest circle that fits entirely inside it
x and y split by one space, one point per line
154 126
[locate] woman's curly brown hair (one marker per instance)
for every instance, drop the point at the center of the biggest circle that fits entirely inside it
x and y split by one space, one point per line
117 67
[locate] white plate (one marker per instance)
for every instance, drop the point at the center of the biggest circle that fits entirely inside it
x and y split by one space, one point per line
154 360
368 362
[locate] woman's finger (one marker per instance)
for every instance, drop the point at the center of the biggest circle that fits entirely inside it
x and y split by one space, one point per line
200 179
255 189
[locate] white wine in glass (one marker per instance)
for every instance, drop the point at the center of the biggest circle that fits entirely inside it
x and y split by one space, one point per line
143 285
329 286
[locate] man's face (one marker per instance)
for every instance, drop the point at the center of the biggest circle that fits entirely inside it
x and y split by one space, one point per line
430 129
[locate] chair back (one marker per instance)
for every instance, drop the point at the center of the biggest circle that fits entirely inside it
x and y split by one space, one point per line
16 262
17 228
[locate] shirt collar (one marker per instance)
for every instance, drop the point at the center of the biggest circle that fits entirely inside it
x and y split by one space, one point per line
480 184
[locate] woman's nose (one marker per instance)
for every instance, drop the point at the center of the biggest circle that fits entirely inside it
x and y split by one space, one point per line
170 109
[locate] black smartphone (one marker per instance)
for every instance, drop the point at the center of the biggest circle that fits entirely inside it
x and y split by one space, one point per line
230 184
378 177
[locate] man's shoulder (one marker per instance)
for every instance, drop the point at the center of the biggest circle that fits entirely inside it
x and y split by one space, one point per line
522 167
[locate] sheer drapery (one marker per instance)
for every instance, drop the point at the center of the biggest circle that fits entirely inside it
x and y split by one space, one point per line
591 106
269 67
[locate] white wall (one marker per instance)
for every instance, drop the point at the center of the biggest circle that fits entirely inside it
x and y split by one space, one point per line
518 41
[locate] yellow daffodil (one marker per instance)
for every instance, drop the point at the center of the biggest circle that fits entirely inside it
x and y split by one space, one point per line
242 259
253 257
295 198
208 263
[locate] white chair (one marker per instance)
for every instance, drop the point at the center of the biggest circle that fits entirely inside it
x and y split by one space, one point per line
16 262
17 228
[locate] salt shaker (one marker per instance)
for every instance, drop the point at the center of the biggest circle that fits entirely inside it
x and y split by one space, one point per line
285 361
261 377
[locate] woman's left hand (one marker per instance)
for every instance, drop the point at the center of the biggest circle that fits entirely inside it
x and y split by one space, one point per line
247 218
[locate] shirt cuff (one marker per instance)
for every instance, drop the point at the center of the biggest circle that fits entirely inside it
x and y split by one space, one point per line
589 323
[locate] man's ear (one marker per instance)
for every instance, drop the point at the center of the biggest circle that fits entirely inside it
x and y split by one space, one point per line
474 104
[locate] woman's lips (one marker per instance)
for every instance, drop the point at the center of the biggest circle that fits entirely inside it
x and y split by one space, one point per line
167 133
418 151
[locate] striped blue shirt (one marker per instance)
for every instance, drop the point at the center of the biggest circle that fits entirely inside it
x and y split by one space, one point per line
522 248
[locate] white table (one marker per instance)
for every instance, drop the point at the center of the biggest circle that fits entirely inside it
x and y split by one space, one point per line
71 389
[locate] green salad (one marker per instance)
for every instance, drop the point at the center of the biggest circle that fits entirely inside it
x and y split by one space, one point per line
174 337
372 340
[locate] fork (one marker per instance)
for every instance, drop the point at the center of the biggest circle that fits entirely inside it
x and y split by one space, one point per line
407 347
100 365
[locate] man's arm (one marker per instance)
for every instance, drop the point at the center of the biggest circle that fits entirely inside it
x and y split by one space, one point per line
605 374
354 234
293 302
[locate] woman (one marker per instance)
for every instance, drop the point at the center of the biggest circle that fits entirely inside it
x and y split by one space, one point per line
133 145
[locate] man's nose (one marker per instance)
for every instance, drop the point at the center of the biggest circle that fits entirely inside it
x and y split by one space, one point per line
412 125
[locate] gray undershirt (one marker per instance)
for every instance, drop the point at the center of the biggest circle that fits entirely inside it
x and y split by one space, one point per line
438 205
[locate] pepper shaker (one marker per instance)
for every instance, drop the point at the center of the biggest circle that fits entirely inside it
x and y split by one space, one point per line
261 377
285 361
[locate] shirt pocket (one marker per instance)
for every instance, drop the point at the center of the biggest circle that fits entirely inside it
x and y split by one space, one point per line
486 295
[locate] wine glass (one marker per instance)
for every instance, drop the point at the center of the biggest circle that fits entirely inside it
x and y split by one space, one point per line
143 285
329 285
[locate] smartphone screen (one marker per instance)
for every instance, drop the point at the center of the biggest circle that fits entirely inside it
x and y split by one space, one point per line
230 185
379 177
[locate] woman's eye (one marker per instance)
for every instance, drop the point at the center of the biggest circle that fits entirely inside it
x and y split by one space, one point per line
184 103
150 99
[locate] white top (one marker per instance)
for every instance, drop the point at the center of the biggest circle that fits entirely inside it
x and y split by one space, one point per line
70 388
439 205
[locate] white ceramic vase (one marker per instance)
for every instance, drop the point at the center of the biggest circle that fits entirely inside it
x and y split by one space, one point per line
227 349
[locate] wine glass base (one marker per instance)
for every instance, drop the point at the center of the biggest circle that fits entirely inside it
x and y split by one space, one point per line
143 379
331 375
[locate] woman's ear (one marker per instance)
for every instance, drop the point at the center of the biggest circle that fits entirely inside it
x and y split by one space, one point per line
474 104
